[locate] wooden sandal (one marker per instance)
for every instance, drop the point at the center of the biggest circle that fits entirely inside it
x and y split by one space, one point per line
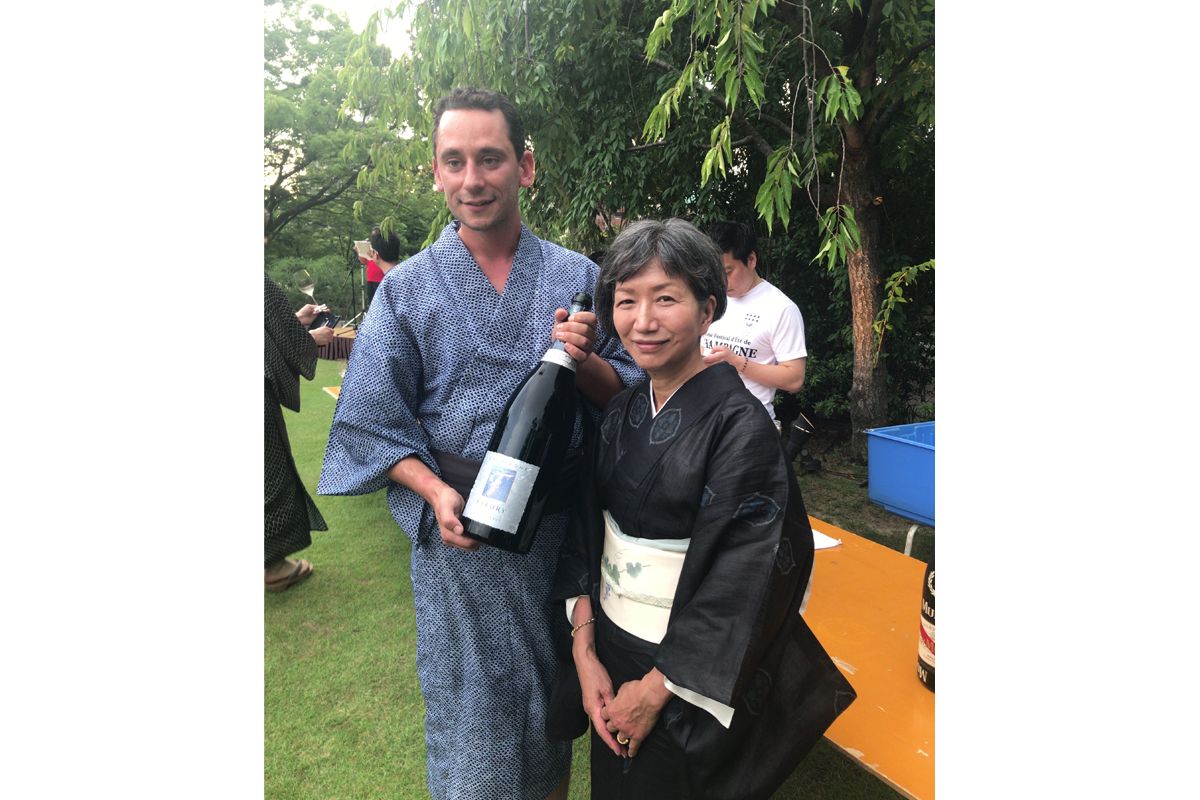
303 570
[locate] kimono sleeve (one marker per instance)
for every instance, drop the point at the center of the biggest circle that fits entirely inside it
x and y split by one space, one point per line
290 349
721 621
375 422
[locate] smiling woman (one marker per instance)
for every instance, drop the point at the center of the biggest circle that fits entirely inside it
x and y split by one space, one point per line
694 686
663 284
663 287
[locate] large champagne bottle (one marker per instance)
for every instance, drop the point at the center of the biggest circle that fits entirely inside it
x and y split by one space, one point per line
526 451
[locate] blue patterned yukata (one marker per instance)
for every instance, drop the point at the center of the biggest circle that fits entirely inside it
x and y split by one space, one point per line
431 369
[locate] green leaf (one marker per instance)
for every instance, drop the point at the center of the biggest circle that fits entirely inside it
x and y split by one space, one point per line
707 167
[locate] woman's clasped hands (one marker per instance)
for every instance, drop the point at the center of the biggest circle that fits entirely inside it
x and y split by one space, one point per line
632 714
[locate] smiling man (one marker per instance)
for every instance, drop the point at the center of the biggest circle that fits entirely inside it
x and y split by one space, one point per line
456 328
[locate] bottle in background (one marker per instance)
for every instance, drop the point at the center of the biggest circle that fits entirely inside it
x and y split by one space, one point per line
527 448
925 644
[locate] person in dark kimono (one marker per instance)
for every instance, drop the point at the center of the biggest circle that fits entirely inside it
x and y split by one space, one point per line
456 329
686 567
291 351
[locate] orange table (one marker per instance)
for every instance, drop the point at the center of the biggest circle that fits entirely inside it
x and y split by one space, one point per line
865 608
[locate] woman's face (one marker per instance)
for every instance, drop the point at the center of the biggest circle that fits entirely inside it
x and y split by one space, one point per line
660 321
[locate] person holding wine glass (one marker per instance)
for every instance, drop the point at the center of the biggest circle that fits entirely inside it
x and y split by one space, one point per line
290 514
686 566
452 332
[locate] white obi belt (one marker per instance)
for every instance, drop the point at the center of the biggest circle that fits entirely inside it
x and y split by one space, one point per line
637 590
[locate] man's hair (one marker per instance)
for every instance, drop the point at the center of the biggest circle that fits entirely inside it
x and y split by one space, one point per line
681 249
468 97
736 238
388 249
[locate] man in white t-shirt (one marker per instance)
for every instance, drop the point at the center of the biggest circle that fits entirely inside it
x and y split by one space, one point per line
762 332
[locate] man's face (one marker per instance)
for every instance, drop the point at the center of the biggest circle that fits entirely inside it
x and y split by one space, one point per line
477 170
739 275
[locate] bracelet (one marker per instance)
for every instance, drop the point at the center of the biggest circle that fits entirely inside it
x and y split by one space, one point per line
745 363
581 625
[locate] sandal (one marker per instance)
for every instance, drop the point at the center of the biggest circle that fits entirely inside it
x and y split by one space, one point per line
302 570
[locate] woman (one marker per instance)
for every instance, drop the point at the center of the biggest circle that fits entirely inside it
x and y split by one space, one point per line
688 563
291 351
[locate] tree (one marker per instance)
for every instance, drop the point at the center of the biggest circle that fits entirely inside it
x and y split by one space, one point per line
314 156
321 240
762 101
314 151
866 66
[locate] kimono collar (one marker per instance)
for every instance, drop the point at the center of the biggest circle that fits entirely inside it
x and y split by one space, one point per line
642 438
450 250
499 319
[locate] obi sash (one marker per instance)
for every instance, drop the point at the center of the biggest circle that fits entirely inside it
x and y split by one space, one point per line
639 580
637 591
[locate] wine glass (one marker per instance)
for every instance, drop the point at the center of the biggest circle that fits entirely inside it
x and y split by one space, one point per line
305 283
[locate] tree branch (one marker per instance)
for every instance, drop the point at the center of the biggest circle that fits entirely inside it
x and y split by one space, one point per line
328 193
908 59
870 46
882 120
754 134
637 148
876 120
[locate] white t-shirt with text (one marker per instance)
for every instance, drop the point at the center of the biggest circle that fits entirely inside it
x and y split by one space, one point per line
763 325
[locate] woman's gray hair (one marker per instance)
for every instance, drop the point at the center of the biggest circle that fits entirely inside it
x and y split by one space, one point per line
677 245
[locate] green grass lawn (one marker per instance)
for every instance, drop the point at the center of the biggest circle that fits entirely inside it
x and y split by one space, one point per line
343 710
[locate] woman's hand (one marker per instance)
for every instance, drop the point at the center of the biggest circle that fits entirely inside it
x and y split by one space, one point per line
597 693
594 681
634 711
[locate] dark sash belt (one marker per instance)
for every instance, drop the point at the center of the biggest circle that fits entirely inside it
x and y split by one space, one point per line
457 471
460 474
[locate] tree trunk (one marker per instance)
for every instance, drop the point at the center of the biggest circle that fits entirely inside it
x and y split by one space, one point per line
868 387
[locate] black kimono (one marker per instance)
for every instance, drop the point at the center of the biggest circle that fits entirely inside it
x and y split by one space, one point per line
290 352
708 466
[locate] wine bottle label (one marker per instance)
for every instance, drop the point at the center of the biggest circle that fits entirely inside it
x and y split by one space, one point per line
501 491
925 645
560 357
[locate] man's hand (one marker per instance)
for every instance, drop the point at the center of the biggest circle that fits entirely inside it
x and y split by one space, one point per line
721 353
447 505
578 334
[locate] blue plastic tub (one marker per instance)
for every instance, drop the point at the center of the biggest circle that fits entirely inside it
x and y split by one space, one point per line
900 470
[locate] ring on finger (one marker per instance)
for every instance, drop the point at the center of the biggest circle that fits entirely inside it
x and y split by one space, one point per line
622 740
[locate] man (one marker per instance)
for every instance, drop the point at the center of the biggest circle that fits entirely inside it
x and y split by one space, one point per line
385 254
762 331
457 328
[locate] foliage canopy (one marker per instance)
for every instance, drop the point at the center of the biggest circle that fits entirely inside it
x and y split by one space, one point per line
706 109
